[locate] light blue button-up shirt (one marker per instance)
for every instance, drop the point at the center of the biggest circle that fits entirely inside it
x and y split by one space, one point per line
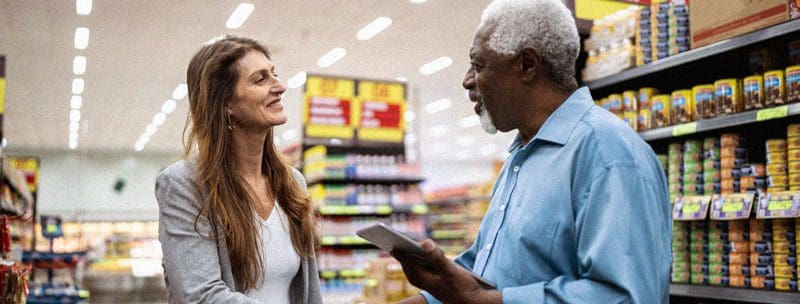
580 214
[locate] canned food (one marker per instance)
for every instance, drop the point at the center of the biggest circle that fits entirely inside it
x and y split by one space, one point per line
793 83
710 164
615 103
645 120
774 91
753 92
793 130
738 281
718 280
703 96
777 157
784 259
776 169
629 102
753 170
793 155
786 271
644 97
680 257
793 143
733 140
794 166
692 147
682 106
776 145
698 268
758 282
727 95
784 284
778 181
763 270
661 110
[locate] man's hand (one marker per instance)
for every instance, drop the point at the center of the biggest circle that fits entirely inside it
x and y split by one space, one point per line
441 277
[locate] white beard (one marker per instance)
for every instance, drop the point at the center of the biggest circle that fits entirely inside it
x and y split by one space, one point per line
486 121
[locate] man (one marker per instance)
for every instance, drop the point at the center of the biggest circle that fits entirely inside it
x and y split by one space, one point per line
580 212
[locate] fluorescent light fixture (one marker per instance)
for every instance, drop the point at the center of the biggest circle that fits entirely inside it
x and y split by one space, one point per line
470 121
331 57
77 86
437 130
180 92
83 7
159 119
298 80
169 106
79 65
410 116
149 131
81 38
74 126
466 141
373 28
239 15
403 79
75 115
289 135
76 102
138 147
73 144
436 65
438 106
417 1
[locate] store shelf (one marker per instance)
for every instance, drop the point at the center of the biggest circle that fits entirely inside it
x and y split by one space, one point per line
448 234
343 274
343 241
697 54
450 219
351 210
337 146
734 294
374 181
721 122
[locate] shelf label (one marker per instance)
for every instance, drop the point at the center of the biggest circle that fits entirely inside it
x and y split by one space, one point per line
690 208
351 240
419 209
327 274
328 240
732 207
779 205
772 113
352 273
684 129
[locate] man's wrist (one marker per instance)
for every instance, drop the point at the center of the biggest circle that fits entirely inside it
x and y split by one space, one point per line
486 296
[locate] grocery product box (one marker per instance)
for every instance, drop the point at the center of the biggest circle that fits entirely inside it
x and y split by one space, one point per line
714 20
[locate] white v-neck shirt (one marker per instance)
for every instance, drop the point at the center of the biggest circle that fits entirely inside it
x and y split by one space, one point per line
281 262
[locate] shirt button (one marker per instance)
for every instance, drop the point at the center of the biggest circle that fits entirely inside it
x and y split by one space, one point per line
489 247
516 168
503 207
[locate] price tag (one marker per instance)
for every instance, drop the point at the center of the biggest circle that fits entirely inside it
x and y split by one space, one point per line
732 207
327 274
772 113
333 87
779 205
383 209
328 240
684 129
352 273
352 240
691 208
381 90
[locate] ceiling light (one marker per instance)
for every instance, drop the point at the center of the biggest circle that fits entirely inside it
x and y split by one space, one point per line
437 130
76 102
470 121
150 130
75 115
73 144
297 80
416 1
159 119
373 28
74 126
438 106
77 86
436 65
331 57
81 38
79 65
169 106
410 116
402 79
73 136
83 7
239 15
289 135
138 147
180 92
466 141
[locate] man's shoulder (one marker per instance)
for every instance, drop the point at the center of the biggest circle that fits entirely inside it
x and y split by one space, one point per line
609 136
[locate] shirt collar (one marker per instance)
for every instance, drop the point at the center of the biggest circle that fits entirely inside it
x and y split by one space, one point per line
559 126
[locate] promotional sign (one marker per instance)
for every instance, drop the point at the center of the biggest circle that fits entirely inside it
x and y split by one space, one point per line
328 108
30 168
382 109
779 205
732 207
691 208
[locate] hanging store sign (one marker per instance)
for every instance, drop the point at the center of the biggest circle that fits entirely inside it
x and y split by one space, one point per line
328 108
382 110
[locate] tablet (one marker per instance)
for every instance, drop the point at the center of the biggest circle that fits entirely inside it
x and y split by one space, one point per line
388 239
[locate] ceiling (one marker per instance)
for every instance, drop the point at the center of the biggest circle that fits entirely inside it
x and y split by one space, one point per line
138 52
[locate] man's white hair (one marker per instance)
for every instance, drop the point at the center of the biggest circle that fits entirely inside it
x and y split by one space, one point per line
546 26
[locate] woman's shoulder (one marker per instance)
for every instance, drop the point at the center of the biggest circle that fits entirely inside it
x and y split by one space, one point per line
180 173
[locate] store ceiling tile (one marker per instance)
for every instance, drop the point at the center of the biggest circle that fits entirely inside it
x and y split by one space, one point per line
138 52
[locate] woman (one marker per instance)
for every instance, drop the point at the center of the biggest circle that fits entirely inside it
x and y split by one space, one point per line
236 225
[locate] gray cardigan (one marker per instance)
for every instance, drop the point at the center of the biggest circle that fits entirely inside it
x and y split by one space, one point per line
197 268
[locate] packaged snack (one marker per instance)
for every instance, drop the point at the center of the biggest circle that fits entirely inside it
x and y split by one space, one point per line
644 97
645 120
784 247
783 284
794 166
784 259
739 269
753 170
776 145
699 279
793 130
680 276
777 157
776 169
682 106
738 281
753 92
793 155
786 271
661 110
615 104
774 91
793 83
727 94
703 96
776 189
793 143
733 140
794 179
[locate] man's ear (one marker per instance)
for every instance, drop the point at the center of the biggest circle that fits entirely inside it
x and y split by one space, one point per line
530 63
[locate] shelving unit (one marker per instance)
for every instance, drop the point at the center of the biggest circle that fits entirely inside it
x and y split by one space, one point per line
455 215
724 59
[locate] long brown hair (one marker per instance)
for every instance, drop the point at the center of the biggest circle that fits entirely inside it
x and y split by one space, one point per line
211 77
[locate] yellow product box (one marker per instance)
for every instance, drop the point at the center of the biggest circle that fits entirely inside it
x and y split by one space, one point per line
793 83
661 111
794 167
776 169
784 284
644 120
645 94
703 96
793 143
629 101
785 271
776 145
615 104
793 155
776 157
782 248
794 179
794 187
774 91
776 189
728 95
753 92
793 130
630 118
